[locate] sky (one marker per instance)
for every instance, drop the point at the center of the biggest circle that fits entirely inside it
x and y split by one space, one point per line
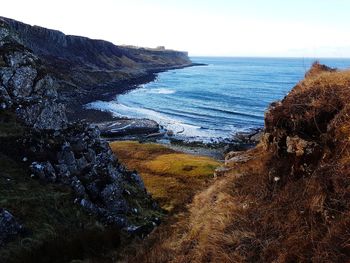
267 28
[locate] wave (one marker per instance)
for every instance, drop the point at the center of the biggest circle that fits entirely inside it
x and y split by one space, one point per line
231 112
162 91
146 90
170 123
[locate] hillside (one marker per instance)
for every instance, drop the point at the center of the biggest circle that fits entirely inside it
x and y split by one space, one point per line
88 69
63 193
287 200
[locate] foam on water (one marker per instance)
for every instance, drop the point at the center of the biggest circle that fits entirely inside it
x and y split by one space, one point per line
228 95
179 128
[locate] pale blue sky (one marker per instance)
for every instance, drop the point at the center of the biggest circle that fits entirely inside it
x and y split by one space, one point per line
299 28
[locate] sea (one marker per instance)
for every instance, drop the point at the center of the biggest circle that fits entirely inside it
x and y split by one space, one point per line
214 102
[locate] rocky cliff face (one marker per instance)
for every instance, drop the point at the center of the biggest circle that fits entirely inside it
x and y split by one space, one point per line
34 129
87 67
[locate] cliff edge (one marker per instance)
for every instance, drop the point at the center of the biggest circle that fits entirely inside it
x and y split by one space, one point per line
87 68
288 199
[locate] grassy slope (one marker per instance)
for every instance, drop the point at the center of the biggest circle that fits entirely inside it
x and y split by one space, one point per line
55 229
171 177
279 206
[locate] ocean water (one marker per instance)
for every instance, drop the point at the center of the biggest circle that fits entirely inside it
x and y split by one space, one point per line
215 101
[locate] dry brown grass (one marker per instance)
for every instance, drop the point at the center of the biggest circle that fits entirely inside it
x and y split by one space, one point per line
249 216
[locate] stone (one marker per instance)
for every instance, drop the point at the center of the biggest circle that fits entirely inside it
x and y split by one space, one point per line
21 84
111 191
82 163
63 173
78 187
257 137
9 227
90 155
237 157
113 172
18 59
66 156
5 97
29 114
44 171
5 75
47 87
221 171
88 205
138 180
51 117
79 146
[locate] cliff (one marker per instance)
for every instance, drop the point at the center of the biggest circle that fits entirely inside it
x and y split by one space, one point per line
287 200
87 68
60 184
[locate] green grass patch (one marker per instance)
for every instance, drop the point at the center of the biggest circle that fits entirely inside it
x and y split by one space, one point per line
171 177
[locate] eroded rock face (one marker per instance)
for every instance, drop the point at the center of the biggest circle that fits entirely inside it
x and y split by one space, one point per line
57 151
81 159
25 87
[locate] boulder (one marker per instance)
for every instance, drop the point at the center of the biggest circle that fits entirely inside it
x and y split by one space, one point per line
9 227
21 83
221 171
44 171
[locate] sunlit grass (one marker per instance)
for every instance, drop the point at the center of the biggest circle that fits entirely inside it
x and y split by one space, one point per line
171 177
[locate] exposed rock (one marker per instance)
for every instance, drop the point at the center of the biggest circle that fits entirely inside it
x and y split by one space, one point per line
44 171
5 98
221 171
128 127
60 152
21 83
93 172
9 227
237 157
82 163
138 180
34 95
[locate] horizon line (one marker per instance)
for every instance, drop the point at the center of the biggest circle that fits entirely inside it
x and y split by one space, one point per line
257 56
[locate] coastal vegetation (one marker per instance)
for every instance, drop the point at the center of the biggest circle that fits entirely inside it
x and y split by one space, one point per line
287 200
170 176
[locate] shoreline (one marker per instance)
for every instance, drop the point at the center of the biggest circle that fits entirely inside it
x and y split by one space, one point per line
107 92
145 130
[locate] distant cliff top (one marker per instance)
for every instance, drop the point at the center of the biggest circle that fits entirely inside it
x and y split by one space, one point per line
98 53
87 67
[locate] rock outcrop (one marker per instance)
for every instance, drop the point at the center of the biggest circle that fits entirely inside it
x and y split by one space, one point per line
61 152
9 226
